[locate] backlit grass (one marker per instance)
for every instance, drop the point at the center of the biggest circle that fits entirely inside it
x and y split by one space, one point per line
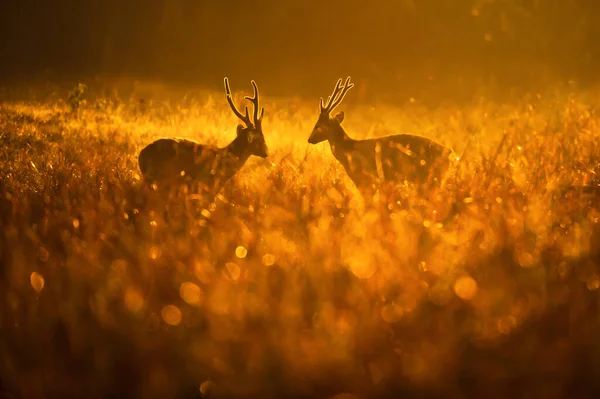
287 284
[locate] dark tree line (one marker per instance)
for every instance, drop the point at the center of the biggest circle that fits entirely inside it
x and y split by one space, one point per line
288 41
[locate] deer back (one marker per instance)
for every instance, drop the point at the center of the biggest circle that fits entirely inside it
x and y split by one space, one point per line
394 158
413 158
178 160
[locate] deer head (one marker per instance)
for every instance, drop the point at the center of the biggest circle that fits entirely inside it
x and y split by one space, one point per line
251 134
326 125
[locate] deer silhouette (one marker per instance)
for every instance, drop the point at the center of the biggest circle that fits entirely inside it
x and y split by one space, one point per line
168 161
368 163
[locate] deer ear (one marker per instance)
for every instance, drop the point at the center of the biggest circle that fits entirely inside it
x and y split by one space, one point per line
239 130
339 117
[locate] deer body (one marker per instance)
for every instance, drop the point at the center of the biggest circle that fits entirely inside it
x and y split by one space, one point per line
396 158
184 160
174 161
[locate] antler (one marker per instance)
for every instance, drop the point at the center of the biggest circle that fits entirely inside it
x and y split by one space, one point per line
337 96
253 100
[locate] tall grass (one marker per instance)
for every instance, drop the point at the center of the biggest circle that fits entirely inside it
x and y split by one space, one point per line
287 284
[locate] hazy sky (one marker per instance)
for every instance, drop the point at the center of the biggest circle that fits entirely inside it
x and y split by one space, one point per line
295 45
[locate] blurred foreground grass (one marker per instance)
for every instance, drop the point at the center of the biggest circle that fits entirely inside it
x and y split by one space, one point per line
287 285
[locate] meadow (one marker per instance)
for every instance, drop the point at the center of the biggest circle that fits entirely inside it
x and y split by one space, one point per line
288 284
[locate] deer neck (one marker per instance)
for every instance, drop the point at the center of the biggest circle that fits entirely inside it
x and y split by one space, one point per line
238 150
339 139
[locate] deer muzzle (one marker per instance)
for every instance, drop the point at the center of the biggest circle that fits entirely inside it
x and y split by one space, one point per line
317 135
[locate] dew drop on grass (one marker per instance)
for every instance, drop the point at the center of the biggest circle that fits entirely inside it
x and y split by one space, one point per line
37 281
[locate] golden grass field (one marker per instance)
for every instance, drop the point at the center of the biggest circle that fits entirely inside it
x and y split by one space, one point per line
287 284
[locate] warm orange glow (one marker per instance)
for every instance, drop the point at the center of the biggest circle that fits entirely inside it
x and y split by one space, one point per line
290 275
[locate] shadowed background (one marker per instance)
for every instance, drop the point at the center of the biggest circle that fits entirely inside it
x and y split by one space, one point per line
425 48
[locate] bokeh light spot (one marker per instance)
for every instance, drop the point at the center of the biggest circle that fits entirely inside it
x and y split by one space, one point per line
241 252
526 259
190 293
268 259
506 325
465 288
171 315
134 302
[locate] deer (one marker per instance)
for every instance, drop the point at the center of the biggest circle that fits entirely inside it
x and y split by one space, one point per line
170 160
397 158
